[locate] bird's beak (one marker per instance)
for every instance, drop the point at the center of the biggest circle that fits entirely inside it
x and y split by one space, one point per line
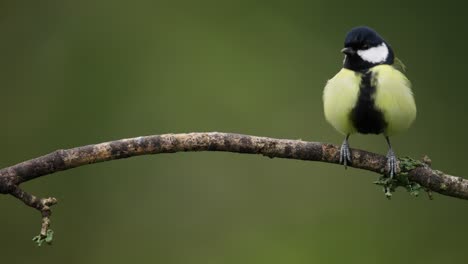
348 51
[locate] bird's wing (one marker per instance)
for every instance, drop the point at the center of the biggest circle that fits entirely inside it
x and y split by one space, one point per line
394 98
399 65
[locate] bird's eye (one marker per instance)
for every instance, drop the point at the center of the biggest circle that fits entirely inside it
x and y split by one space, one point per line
365 46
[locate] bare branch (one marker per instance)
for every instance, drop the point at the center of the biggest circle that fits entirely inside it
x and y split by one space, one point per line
60 160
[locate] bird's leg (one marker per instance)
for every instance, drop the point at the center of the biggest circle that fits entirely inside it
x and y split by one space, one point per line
392 161
345 153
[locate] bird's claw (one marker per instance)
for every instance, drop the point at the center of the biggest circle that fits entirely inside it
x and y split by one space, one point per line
345 154
392 163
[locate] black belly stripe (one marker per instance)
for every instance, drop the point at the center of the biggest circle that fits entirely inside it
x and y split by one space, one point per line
365 117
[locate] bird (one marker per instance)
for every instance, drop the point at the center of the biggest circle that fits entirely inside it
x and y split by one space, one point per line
370 94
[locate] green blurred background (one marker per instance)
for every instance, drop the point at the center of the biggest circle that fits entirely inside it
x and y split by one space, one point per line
79 72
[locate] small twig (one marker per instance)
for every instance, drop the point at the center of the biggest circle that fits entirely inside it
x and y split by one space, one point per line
42 205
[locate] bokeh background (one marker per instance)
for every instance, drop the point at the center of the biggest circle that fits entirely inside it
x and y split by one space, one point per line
79 72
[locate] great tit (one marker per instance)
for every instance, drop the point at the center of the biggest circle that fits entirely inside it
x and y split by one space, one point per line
370 94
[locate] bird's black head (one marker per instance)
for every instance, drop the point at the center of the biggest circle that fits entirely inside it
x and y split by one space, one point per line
364 48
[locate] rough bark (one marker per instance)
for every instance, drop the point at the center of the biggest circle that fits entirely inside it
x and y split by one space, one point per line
12 177
170 143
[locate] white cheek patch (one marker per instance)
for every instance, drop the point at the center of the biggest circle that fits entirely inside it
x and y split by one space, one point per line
375 54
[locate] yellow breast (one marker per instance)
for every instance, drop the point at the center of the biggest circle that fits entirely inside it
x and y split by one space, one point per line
339 97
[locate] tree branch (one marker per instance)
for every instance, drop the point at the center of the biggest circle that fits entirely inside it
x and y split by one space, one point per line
43 206
416 172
